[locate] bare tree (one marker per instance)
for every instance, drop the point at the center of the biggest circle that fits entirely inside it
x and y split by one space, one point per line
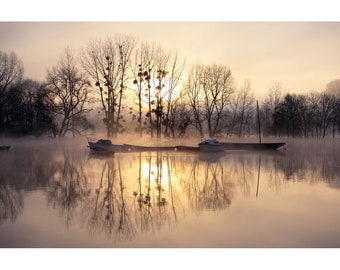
126 45
11 72
270 108
179 118
157 76
143 71
328 105
247 101
212 86
192 90
160 80
69 93
176 70
107 63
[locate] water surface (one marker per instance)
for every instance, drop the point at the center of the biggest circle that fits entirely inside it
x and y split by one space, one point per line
54 193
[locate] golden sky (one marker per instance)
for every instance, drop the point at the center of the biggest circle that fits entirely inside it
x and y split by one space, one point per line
302 55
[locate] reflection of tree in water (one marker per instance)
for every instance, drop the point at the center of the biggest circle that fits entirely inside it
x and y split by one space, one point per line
141 193
241 170
11 203
157 202
27 169
107 211
208 186
69 186
312 161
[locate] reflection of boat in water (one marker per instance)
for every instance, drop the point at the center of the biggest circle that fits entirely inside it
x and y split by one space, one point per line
252 146
5 147
104 146
211 157
211 145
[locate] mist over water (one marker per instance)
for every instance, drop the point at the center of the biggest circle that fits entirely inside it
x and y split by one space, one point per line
55 193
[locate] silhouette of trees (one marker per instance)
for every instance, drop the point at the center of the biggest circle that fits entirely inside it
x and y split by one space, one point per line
107 64
311 115
157 76
69 93
333 88
141 70
209 90
270 109
11 72
176 70
27 110
246 114
169 100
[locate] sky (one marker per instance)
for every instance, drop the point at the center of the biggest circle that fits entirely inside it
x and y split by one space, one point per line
301 53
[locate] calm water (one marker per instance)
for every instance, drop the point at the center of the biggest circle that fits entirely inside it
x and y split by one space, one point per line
56 194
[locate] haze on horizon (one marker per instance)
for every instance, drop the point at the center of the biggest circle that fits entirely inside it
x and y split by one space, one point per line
302 56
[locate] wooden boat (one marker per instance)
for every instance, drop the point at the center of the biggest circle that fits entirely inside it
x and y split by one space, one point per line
211 145
137 148
252 146
104 146
5 147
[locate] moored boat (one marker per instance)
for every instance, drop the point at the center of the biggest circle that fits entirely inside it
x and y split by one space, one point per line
104 146
211 145
5 147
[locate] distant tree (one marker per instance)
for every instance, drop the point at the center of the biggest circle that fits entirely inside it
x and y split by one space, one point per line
11 72
336 118
313 101
307 114
270 108
27 109
246 108
288 116
69 93
333 87
328 106
44 122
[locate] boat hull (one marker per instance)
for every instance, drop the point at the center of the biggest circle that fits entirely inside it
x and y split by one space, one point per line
211 148
100 148
252 146
5 147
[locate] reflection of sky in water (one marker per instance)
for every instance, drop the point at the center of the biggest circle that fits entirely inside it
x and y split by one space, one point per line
67 198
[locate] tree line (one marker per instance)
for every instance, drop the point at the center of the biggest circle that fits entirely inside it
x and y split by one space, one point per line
141 88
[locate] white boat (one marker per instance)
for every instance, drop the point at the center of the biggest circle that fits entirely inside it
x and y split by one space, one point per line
104 146
211 145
